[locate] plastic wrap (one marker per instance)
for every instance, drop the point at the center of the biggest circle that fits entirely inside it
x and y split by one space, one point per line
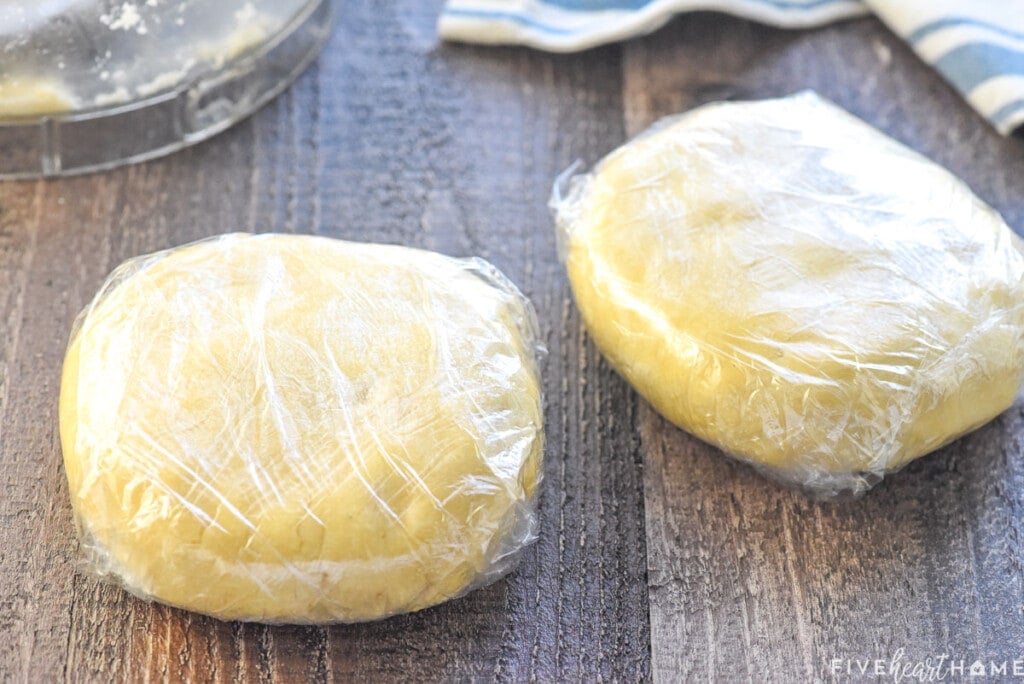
298 429
787 283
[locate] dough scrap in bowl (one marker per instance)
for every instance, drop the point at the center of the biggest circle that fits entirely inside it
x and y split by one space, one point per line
26 96
785 282
299 429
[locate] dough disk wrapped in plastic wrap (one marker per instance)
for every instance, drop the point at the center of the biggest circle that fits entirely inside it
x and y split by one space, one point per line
787 283
299 429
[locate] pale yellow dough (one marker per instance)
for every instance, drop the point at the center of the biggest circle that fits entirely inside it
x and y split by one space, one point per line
785 282
298 429
31 97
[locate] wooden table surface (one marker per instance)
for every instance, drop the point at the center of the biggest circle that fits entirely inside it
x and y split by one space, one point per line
657 557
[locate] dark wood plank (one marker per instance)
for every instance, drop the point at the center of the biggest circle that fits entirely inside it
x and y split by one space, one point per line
389 138
750 581
35 532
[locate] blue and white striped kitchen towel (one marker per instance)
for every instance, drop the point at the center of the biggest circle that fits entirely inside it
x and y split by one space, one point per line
978 45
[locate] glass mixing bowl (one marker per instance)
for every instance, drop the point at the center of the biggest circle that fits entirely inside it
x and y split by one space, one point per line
87 85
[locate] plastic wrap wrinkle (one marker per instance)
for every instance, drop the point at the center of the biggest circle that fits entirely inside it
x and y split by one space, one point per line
298 429
787 283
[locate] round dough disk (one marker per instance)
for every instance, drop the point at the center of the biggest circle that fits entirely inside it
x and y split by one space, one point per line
299 429
784 281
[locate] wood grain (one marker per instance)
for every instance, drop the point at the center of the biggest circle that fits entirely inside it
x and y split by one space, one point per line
750 581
